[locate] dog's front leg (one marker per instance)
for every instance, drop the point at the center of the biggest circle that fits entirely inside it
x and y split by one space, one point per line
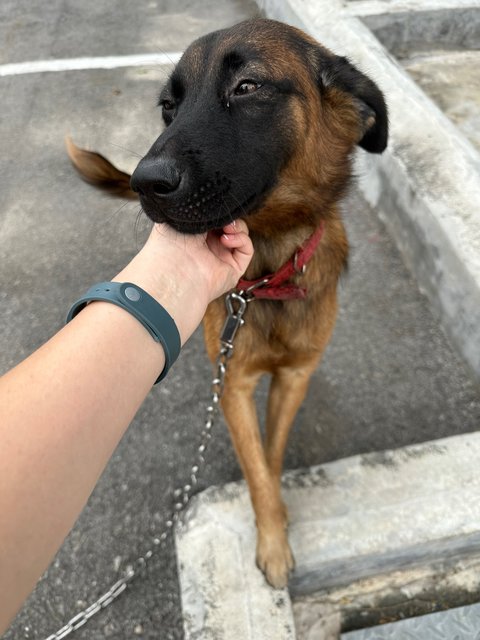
273 552
287 391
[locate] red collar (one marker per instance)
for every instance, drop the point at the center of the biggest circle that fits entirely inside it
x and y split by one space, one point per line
273 286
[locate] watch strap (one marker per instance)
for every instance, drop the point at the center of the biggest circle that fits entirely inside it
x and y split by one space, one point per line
158 322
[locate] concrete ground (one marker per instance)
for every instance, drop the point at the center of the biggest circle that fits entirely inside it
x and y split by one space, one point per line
452 80
389 377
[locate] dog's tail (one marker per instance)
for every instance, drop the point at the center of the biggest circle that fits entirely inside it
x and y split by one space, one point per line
98 171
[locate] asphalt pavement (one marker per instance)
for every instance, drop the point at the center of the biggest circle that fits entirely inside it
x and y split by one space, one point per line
388 379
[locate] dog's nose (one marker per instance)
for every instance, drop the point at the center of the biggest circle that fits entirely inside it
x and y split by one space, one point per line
155 176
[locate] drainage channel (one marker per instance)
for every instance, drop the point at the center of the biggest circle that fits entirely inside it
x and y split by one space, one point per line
462 623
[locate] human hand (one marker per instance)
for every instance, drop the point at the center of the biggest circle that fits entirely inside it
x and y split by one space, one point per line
186 272
221 256
214 261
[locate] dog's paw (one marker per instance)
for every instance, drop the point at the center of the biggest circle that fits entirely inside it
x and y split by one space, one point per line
275 558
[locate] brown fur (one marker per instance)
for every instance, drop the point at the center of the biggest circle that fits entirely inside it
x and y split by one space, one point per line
100 172
284 339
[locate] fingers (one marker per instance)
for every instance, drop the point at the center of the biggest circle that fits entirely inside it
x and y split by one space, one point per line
233 227
230 253
220 256
236 241
235 236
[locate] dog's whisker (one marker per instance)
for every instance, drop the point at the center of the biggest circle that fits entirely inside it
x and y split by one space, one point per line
166 54
112 216
141 218
119 146
240 206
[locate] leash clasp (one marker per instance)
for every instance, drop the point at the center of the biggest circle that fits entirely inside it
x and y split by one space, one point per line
236 305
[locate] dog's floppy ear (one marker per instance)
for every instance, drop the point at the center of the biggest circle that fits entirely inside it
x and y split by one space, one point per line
338 72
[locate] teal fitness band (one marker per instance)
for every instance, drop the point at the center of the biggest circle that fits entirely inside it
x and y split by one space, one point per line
158 322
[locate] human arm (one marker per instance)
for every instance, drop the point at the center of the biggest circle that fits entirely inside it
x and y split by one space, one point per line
64 409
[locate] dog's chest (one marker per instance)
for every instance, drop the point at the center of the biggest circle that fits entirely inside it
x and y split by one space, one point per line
276 331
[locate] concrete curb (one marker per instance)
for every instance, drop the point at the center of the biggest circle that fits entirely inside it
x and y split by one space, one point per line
427 184
350 519
223 593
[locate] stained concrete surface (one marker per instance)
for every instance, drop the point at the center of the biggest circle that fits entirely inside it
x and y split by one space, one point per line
35 30
452 80
405 26
389 377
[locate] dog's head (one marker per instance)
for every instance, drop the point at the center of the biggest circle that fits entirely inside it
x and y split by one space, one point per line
250 111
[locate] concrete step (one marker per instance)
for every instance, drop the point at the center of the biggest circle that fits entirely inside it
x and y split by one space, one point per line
350 520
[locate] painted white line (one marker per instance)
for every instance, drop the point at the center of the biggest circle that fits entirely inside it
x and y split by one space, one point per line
75 64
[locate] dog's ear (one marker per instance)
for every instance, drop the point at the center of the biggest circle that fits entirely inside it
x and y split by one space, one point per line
338 72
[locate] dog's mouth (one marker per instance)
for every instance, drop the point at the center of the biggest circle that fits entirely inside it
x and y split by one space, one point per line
191 220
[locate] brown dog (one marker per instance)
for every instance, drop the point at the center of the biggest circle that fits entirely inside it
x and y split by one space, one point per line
261 124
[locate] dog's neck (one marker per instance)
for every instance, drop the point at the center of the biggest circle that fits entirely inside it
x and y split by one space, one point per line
271 252
274 245
278 285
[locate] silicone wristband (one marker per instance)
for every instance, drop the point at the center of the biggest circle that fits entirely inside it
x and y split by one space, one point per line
158 322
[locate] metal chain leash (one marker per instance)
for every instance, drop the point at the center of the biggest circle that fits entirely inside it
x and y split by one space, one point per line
236 304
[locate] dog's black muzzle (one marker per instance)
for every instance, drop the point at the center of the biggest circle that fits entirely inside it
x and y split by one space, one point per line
182 196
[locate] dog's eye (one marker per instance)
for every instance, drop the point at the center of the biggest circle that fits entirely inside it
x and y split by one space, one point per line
168 105
169 109
245 87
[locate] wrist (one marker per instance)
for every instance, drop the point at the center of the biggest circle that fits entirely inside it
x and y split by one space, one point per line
171 285
144 309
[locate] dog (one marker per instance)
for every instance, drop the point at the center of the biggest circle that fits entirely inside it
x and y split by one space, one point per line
261 123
